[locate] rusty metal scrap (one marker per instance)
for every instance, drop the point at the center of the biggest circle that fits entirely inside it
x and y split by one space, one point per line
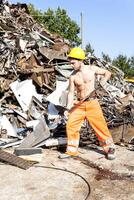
26 47
15 160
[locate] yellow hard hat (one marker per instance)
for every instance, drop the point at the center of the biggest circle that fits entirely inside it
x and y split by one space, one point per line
77 53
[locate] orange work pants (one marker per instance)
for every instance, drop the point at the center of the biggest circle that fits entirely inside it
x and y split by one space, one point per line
91 111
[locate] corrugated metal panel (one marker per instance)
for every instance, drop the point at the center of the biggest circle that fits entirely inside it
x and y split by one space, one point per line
15 160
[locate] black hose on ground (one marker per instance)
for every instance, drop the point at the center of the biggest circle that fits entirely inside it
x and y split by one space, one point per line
71 172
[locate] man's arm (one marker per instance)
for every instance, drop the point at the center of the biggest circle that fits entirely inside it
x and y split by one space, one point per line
106 74
70 93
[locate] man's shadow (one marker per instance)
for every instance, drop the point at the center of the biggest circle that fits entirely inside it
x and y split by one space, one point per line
93 147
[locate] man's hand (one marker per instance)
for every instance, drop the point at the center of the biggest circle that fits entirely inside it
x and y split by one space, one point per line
66 114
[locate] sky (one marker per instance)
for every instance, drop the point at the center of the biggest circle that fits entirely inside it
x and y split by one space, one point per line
108 25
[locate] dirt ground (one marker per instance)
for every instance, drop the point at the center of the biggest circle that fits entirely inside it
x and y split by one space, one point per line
89 174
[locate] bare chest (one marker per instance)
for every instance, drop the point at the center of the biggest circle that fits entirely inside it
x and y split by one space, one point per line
84 77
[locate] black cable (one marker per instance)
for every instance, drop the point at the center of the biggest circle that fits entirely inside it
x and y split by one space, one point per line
65 170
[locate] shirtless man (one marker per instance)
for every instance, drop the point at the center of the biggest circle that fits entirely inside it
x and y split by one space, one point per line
83 82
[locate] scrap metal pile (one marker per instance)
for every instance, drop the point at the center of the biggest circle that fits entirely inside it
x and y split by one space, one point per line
34 74
117 101
116 96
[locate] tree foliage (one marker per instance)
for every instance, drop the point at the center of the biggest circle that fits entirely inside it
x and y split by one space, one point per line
58 22
89 49
106 57
125 64
35 13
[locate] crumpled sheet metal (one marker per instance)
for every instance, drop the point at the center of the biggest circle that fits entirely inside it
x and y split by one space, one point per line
24 91
51 54
22 38
28 50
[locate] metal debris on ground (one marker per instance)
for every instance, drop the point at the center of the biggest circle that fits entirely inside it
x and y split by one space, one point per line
15 160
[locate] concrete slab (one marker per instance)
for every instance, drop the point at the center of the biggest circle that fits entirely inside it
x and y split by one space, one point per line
43 183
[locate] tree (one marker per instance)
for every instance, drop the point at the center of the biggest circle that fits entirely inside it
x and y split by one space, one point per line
131 60
106 57
125 64
89 49
36 14
58 22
